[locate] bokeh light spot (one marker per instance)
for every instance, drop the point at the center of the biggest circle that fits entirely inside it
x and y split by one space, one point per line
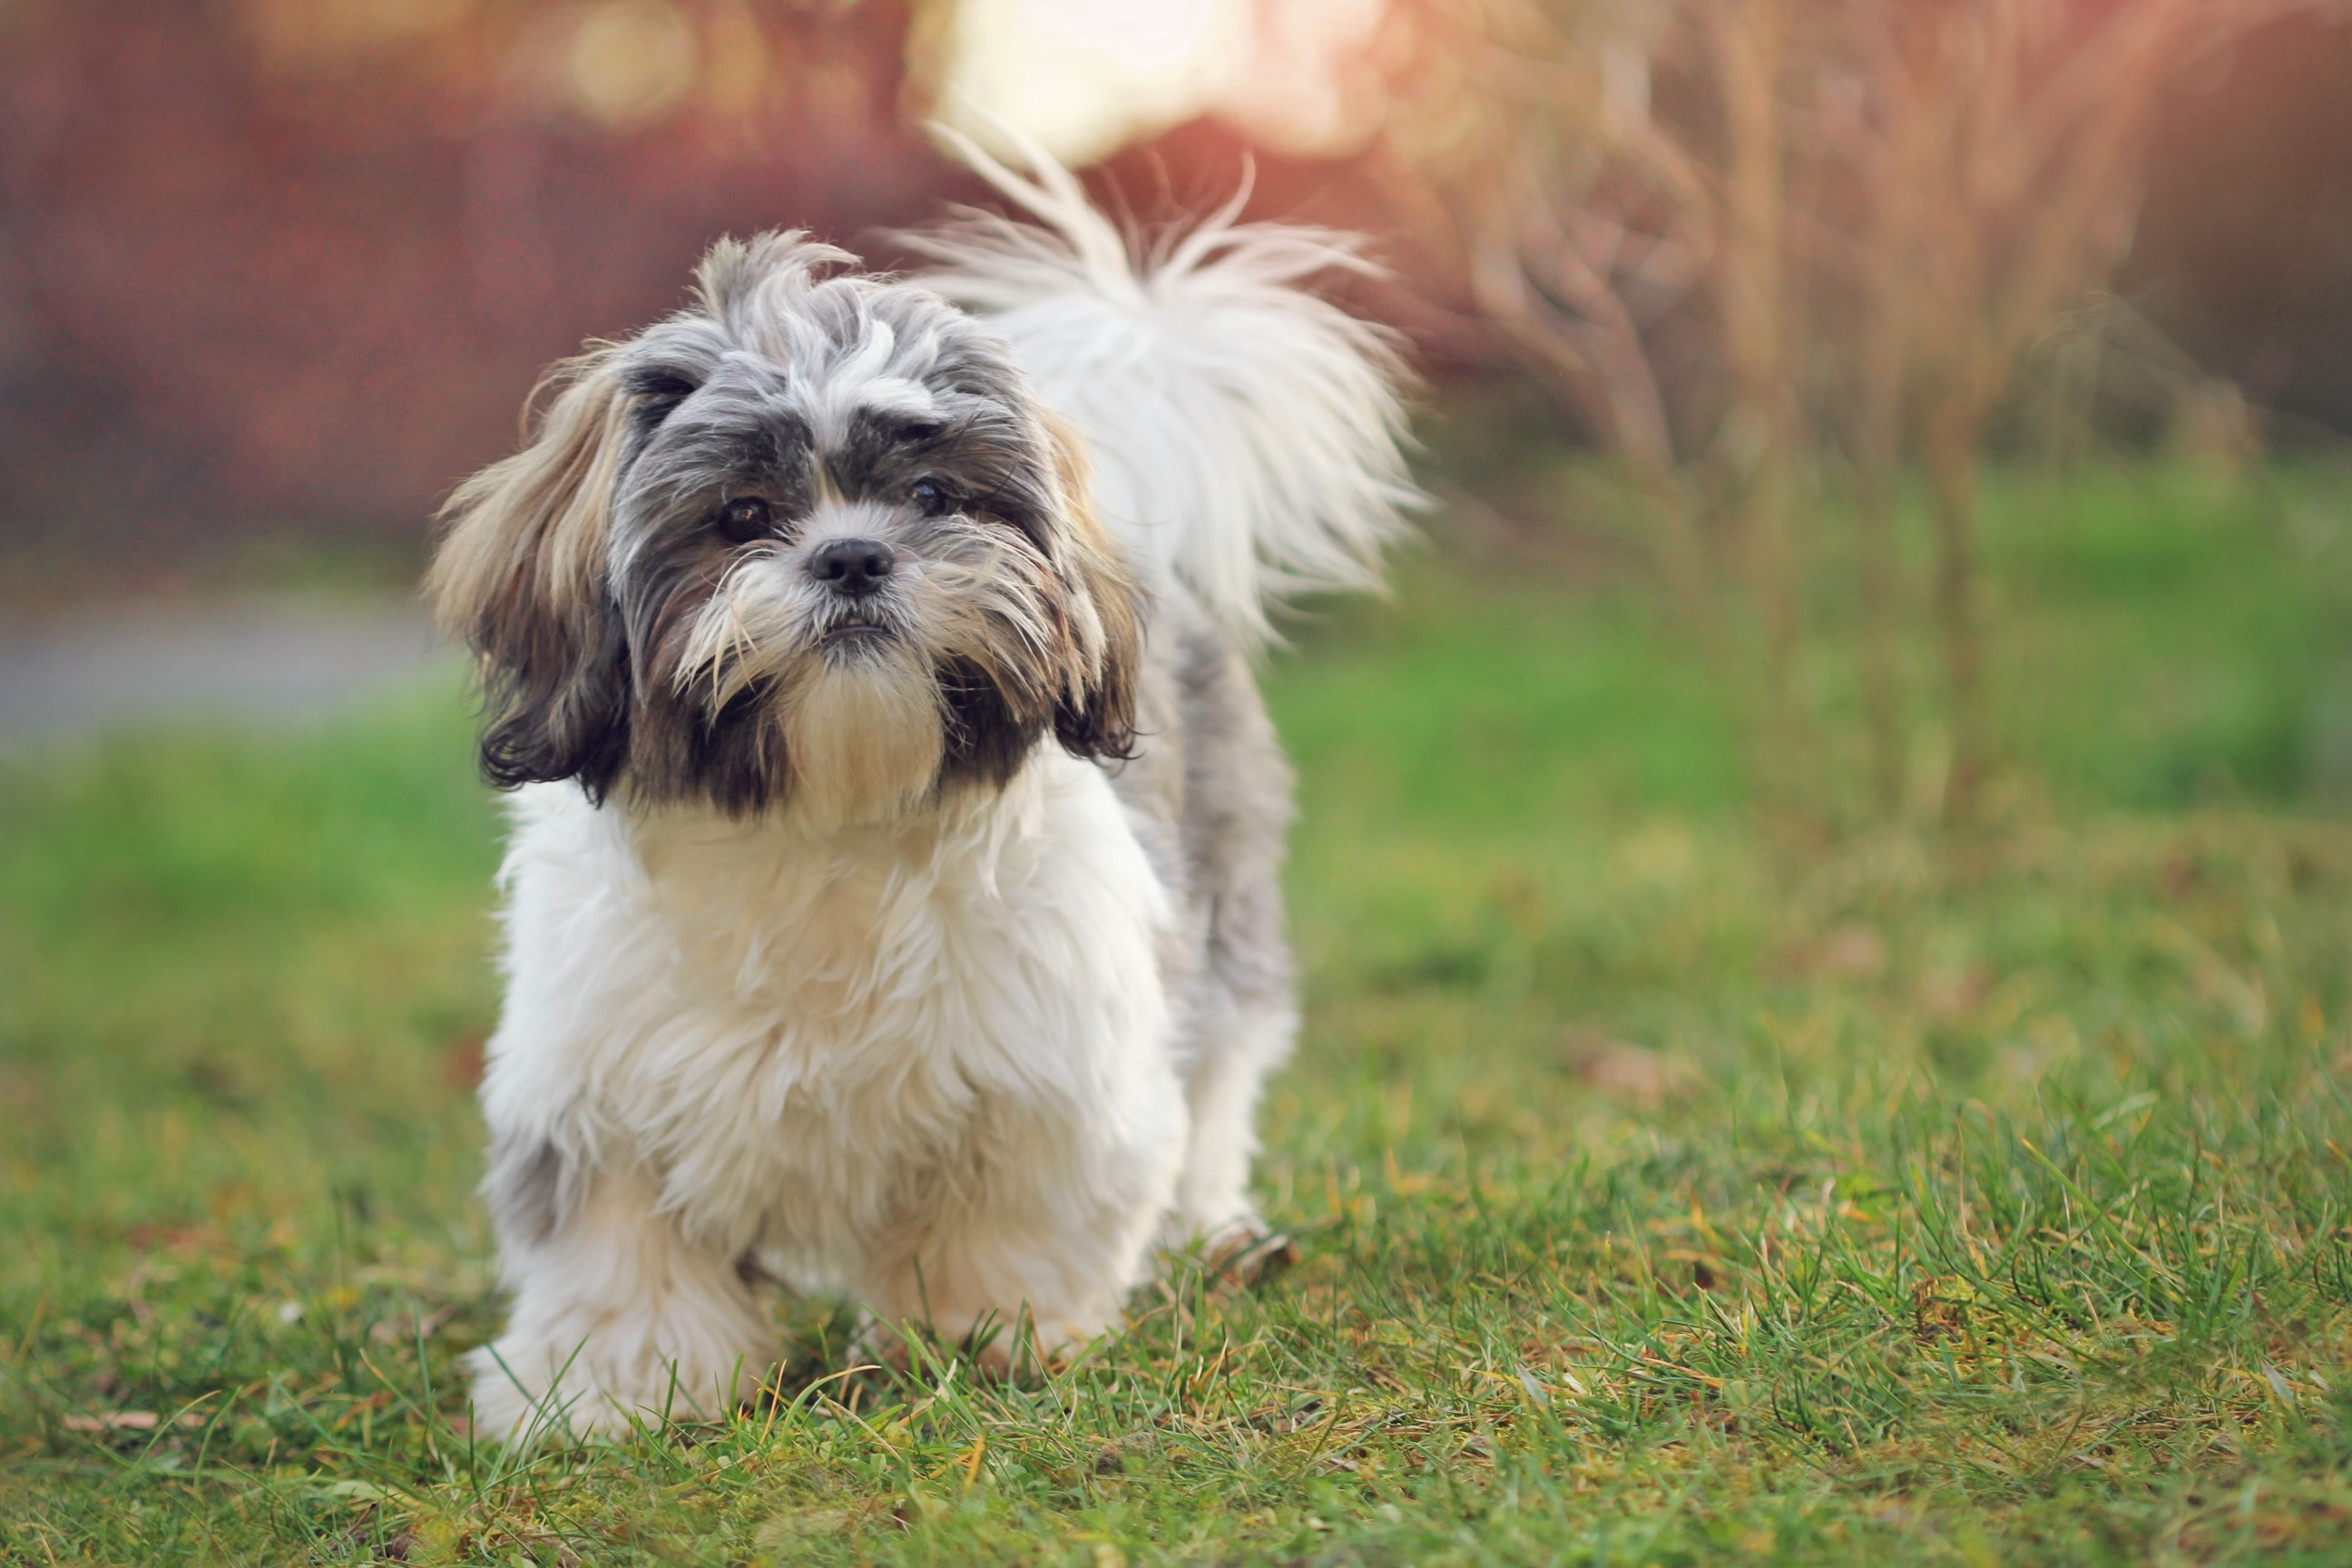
1084 77
630 62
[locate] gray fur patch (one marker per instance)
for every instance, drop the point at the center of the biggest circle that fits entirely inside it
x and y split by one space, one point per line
1210 791
525 1188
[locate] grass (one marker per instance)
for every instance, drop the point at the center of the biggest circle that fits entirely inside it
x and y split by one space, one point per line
1670 1189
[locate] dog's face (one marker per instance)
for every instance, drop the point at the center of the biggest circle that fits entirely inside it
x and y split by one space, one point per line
811 546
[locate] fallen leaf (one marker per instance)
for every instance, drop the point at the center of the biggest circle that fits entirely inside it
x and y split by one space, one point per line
1949 997
126 1421
1854 950
462 1061
405 1330
1639 1077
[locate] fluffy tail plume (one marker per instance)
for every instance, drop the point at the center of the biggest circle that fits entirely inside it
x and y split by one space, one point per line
1244 432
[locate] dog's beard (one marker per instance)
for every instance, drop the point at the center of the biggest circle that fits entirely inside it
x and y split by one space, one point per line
864 739
852 691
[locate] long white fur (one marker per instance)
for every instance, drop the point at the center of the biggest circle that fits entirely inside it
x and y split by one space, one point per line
1246 433
756 1038
832 1044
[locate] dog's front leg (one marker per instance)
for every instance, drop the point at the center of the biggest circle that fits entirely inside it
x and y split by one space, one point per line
618 1318
1044 1230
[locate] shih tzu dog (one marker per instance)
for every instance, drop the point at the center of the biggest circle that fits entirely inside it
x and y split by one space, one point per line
892 901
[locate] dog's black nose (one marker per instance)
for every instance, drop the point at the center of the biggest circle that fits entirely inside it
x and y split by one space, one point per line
852 566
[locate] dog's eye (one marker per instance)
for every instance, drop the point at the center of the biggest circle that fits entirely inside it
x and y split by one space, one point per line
744 518
933 497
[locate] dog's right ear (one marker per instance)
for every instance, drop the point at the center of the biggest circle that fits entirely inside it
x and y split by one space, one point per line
521 576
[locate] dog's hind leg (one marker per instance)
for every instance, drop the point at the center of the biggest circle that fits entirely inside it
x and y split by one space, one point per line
1213 1200
1235 812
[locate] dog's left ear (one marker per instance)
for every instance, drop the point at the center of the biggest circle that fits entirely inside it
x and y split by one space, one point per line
521 576
1095 715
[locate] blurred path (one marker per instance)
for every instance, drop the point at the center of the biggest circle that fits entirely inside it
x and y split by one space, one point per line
265 659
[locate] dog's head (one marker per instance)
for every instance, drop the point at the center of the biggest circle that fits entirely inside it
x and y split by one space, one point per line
810 544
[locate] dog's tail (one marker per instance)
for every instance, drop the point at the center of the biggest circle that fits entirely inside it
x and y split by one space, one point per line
1244 433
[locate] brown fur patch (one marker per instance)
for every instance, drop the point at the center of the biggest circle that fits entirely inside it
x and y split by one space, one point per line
1096 715
520 575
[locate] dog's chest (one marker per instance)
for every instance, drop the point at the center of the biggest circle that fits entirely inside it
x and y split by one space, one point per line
853 995
806 1036
848 1008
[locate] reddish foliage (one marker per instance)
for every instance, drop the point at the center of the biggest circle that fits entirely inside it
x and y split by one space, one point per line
236 299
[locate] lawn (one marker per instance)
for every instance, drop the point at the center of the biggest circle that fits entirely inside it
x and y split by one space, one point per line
1674 1183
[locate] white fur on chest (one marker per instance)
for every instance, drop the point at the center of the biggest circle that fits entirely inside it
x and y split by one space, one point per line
808 1041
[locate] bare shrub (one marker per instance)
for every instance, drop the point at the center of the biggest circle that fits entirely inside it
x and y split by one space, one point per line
1871 209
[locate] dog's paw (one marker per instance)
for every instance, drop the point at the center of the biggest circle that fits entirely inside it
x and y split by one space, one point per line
1247 1253
578 1404
993 1345
1236 1256
508 1412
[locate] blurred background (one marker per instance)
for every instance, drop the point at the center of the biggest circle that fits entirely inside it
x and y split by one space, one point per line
1709 293
289 266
